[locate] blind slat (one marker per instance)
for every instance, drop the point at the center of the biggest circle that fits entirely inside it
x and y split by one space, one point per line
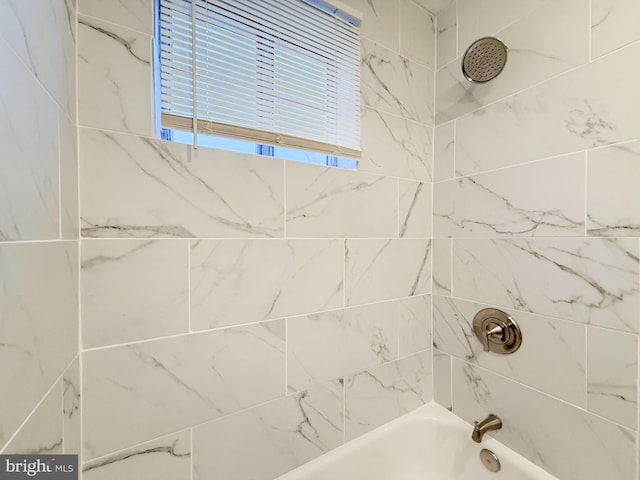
281 72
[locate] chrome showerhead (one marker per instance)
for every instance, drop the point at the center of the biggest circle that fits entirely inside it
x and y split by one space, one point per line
484 60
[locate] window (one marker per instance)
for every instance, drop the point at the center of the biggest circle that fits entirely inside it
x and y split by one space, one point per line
278 76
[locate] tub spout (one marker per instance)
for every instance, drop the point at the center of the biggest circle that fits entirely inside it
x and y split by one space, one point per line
488 424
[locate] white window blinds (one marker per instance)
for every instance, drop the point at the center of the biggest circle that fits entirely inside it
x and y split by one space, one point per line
279 72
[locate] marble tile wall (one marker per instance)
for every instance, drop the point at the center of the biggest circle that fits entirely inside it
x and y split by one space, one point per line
536 212
235 305
39 239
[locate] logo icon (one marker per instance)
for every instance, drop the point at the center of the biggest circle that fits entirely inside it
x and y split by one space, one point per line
51 467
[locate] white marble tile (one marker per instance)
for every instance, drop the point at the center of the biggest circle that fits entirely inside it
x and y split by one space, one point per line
395 146
114 77
414 325
328 345
29 178
447 35
613 196
167 458
563 343
414 209
591 280
276 437
393 84
378 270
545 43
380 22
417 34
584 108
69 207
614 24
133 290
134 14
442 255
376 396
479 18
442 379
43 35
564 440
71 404
444 152
42 433
39 324
511 202
244 281
330 202
140 187
612 379
142 391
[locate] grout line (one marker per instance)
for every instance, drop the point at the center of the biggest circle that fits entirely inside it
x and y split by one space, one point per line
585 228
327 239
191 453
399 117
284 199
546 394
59 143
78 228
537 84
450 381
397 311
63 416
537 160
189 326
27 242
344 409
33 76
431 239
590 46
433 359
457 31
436 65
351 307
397 208
451 276
248 324
455 138
58 379
241 239
399 25
344 273
637 404
526 312
119 25
286 355
230 414
586 367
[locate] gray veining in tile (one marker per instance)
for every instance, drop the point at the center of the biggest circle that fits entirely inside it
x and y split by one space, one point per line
164 191
140 391
167 458
244 281
589 280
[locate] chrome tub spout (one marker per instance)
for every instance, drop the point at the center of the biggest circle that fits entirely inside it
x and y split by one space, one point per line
488 424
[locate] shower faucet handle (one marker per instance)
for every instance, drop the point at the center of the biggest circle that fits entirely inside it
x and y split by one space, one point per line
497 331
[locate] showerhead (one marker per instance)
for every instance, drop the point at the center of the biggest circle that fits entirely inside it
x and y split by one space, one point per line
484 60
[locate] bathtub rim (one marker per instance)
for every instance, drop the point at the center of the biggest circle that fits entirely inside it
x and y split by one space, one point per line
433 412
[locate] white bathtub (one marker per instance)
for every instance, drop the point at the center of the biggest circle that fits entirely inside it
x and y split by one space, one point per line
429 443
